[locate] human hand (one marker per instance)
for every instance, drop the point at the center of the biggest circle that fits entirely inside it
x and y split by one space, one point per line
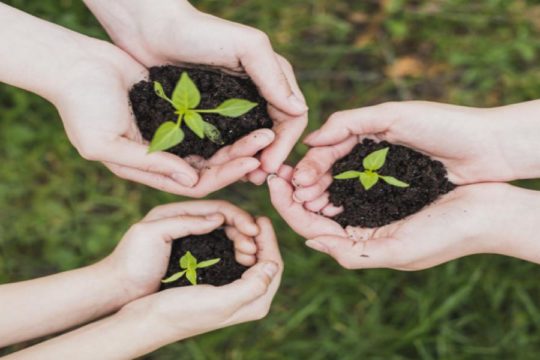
140 260
174 32
100 124
179 313
475 145
477 214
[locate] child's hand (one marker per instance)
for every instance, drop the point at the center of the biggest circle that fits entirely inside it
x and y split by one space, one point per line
179 313
173 32
140 259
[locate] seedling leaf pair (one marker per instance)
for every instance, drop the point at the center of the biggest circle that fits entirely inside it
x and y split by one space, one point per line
189 264
369 177
185 99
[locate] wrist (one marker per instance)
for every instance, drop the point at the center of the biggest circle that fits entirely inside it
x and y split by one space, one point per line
135 24
517 130
510 222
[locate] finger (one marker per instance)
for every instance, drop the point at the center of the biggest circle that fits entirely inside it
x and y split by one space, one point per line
262 65
291 77
257 177
153 180
234 216
376 253
219 176
180 226
242 243
344 124
247 146
313 192
253 284
266 241
319 160
244 246
305 223
285 172
131 154
318 204
331 210
288 129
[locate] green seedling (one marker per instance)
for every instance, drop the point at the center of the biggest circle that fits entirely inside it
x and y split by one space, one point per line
189 264
185 99
369 177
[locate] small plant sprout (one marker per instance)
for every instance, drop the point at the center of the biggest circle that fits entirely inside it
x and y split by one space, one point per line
189 264
369 177
185 99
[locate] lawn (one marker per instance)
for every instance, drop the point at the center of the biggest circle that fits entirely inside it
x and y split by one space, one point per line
58 211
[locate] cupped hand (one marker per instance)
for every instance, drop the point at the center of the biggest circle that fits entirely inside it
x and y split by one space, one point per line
99 122
466 140
174 32
140 260
179 313
471 219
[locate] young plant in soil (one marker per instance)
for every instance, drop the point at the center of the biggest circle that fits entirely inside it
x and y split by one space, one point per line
221 269
184 99
155 102
369 177
416 181
189 264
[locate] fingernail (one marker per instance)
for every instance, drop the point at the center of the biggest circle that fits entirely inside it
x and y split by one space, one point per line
268 136
316 245
270 269
271 177
297 104
183 179
296 199
312 137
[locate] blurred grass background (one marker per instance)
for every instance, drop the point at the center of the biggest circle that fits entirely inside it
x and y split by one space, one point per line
58 212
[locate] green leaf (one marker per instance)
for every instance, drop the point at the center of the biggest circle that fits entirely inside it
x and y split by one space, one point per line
166 136
174 277
191 275
375 160
188 261
195 122
213 133
234 107
186 95
368 179
351 174
394 182
207 263
158 89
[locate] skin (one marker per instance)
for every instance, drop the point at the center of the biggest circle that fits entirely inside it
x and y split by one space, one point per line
479 147
125 283
91 72
174 32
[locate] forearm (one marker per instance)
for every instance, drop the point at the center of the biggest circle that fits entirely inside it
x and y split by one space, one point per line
514 228
517 128
35 54
34 308
124 335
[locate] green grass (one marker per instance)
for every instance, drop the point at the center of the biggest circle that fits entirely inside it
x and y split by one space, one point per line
58 212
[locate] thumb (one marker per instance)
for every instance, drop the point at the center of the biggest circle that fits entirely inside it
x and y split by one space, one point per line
253 284
261 63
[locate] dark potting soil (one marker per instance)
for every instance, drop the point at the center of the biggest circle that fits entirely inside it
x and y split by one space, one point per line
384 203
215 86
205 247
